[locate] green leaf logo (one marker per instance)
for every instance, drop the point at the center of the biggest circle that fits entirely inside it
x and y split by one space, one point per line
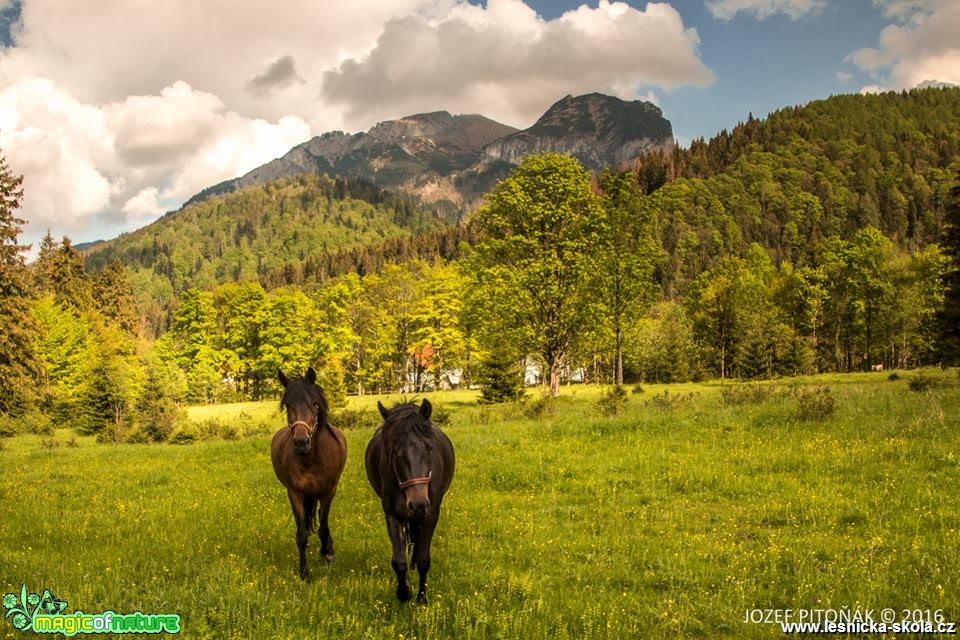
28 606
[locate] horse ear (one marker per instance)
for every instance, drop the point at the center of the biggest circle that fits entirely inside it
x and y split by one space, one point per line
426 409
311 375
383 410
282 378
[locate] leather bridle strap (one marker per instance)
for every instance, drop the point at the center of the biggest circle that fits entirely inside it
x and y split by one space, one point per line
413 481
309 429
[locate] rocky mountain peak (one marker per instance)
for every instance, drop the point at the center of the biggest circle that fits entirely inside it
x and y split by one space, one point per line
597 129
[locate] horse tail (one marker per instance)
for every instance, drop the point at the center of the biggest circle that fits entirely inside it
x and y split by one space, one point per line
413 532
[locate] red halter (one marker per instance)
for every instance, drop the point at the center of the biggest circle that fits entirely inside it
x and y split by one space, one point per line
413 481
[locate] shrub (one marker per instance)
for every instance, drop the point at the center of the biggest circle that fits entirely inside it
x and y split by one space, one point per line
183 435
667 401
9 426
927 379
440 416
741 394
538 408
893 377
614 401
815 405
355 419
638 388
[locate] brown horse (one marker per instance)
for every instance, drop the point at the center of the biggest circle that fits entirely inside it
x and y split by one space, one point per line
410 466
308 457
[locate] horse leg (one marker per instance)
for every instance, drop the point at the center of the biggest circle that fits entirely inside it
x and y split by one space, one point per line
326 540
300 516
421 553
399 560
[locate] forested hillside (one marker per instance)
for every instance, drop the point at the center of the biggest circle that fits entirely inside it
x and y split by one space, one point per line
257 231
805 174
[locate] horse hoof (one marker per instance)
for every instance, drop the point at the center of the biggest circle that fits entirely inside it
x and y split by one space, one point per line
421 598
403 594
304 574
328 557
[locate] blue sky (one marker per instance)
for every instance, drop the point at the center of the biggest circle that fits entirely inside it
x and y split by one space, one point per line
763 65
118 115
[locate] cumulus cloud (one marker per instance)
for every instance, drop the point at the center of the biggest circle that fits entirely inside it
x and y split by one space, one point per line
919 49
762 9
281 73
126 162
513 63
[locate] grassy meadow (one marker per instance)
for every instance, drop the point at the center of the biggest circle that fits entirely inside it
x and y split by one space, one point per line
669 520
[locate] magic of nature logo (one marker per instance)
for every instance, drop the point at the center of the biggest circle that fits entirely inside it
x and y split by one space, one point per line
44 613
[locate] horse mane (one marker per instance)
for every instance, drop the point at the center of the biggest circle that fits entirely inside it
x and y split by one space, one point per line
299 390
405 418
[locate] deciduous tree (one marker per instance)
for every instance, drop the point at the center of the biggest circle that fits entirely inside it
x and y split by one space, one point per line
540 227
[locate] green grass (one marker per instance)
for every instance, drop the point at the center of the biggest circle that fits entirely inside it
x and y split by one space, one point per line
670 520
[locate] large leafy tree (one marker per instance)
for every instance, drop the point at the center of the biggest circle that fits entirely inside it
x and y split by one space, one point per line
17 330
861 294
238 308
626 257
66 347
540 227
439 341
287 333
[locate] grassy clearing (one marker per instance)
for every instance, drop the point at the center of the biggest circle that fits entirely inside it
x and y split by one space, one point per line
669 520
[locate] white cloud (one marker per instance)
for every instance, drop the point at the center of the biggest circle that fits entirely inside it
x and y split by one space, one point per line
843 76
145 205
921 49
762 9
86 163
116 115
510 64
63 149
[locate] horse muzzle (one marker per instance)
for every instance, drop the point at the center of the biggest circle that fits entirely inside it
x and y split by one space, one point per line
417 499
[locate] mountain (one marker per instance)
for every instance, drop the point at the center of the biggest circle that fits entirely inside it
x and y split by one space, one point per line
417 154
441 157
600 131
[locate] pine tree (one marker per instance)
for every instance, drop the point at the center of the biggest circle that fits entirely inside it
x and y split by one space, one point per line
17 330
950 315
43 266
115 299
500 379
71 285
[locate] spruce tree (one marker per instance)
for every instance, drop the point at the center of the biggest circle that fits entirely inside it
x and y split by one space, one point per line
500 379
17 331
950 315
115 299
70 284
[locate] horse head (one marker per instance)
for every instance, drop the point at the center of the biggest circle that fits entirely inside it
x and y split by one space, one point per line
410 451
306 408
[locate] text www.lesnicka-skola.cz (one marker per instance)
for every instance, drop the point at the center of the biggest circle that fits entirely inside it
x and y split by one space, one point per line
854 621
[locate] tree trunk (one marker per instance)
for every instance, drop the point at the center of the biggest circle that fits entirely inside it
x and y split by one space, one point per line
554 378
618 364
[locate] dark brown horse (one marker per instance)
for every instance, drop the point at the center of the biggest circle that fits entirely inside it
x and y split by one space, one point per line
308 457
410 465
